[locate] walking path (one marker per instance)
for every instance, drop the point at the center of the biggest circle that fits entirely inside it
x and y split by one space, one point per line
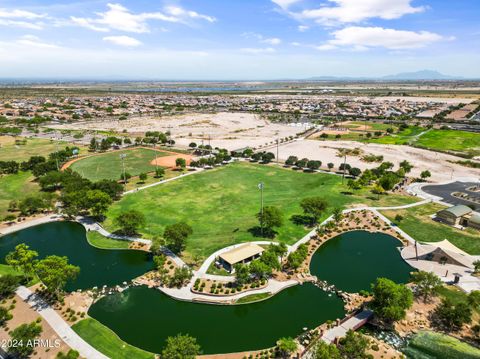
352 323
63 330
164 181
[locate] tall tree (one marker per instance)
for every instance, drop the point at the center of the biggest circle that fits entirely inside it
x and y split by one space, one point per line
176 236
353 346
23 259
181 347
25 333
390 300
313 207
326 351
270 218
286 347
427 284
130 221
55 272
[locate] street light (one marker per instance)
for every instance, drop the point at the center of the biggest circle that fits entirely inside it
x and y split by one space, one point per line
122 156
261 185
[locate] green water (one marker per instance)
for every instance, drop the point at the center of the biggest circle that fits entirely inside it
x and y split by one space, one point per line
354 260
98 267
146 317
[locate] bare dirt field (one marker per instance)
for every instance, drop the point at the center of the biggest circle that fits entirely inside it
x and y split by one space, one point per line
326 151
237 129
170 161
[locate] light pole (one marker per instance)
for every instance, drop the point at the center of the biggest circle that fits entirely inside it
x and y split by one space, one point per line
277 149
56 150
122 156
344 167
156 159
261 185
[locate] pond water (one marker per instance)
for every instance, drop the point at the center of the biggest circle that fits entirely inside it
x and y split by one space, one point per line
98 267
354 260
145 317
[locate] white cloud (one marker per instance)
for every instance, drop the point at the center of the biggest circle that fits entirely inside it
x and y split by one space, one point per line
34 41
352 11
258 50
285 4
24 24
19 14
182 13
361 38
126 41
303 28
325 47
272 41
21 18
118 17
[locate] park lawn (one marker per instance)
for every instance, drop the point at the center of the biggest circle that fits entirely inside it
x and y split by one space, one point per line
221 204
371 126
427 344
15 187
109 165
97 240
9 151
107 342
417 223
253 298
403 137
6 269
451 140
135 182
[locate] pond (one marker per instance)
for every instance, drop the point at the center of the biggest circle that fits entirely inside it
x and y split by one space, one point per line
145 317
98 267
354 260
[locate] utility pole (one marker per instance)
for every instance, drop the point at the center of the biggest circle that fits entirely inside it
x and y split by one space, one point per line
56 151
156 159
261 185
122 156
277 149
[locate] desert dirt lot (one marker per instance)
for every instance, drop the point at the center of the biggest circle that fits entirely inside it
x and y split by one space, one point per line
326 151
236 129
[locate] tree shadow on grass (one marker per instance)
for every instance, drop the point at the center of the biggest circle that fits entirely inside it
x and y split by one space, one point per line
302 220
267 232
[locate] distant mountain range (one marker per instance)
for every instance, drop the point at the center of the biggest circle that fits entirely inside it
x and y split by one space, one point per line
427 75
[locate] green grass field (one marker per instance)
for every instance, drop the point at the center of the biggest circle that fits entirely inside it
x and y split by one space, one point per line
451 140
426 345
403 137
221 204
371 126
35 147
107 342
15 187
97 240
109 165
418 224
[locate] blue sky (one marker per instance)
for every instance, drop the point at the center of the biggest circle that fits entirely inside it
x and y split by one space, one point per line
237 39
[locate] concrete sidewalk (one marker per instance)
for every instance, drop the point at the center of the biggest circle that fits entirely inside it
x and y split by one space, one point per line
63 330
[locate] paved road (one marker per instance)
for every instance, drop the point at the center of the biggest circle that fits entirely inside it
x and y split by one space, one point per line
63 330
445 191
